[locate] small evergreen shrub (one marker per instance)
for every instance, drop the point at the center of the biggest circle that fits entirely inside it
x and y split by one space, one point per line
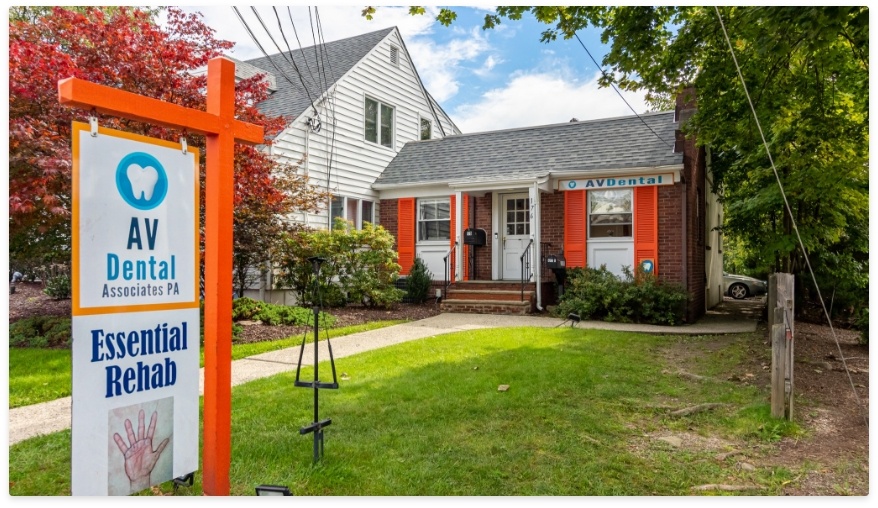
41 332
419 282
597 294
58 287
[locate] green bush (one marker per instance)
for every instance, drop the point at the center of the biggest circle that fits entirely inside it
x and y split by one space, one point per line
41 331
597 294
58 287
863 326
271 314
419 282
360 266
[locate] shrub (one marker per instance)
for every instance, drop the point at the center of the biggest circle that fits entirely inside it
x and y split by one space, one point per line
598 294
58 287
419 282
271 314
41 331
360 266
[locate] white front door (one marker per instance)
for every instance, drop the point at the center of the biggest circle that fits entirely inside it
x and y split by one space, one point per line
515 228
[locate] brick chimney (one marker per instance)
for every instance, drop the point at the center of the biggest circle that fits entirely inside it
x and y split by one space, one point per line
687 104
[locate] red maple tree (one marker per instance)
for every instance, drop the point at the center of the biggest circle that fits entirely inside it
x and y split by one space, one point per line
124 48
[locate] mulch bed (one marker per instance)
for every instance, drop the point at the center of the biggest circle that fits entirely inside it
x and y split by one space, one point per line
29 300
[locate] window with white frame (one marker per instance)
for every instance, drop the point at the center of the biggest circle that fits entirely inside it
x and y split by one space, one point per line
379 122
357 211
610 213
434 219
426 129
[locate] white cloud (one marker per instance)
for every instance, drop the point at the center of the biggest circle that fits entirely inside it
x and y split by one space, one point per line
486 68
440 65
543 99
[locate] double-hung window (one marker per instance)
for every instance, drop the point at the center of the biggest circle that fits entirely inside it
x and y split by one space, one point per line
610 213
434 219
379 122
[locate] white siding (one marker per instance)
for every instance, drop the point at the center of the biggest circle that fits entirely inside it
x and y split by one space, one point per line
355 162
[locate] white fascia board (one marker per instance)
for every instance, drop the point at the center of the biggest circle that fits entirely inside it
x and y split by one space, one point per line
413 191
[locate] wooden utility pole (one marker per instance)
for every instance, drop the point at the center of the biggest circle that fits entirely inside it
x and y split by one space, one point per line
222 130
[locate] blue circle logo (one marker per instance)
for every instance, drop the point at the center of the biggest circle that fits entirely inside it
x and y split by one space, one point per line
571 184
141 181
647 265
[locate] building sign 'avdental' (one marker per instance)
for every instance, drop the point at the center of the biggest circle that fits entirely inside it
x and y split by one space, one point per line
613 182
135 312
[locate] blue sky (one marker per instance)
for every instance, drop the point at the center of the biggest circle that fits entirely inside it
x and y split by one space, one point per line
484 79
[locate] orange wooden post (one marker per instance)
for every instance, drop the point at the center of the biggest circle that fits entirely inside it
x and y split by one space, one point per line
218 124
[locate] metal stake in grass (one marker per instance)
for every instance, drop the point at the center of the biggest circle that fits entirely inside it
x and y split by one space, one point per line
317 425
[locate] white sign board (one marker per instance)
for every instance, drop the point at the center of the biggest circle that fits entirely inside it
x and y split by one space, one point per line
136 323
615 182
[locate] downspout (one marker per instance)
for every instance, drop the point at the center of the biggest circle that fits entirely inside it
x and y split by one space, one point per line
685 241
538 269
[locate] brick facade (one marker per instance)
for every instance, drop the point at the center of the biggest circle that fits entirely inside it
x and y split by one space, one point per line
681 224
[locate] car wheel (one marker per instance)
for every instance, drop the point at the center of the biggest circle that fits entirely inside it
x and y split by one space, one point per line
738 291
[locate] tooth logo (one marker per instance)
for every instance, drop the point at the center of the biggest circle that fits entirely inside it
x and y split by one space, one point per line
141 181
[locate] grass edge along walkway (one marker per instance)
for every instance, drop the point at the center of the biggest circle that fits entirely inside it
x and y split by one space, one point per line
425 418
42 375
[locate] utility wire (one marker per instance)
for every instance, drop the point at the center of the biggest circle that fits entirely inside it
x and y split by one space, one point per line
330 104
790 212
620 93
296 33
291 60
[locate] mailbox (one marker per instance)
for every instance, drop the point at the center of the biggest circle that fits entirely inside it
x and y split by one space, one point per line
555 261
472 236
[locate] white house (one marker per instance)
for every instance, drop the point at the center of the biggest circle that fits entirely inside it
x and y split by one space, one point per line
351 104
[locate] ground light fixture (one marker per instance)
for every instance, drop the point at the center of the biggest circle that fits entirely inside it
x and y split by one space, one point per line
272 490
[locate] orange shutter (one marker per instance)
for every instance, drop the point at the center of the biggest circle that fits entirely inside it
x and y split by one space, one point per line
646 226
452 213
405 234
575 228
464 225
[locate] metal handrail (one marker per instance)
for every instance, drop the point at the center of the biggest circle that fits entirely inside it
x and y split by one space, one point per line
447 270
525 267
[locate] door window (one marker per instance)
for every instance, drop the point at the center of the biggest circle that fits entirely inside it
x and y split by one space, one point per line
518 216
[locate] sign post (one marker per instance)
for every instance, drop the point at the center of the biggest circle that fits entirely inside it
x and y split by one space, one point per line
222 130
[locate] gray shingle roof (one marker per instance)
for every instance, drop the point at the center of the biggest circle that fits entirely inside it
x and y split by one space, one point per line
291 99
613 143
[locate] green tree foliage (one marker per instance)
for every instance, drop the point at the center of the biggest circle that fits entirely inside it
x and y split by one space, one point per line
360 265
807 73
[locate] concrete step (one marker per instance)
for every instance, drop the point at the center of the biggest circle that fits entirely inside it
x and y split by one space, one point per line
488 294
487 306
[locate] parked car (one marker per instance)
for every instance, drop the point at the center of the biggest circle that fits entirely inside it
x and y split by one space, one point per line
741 286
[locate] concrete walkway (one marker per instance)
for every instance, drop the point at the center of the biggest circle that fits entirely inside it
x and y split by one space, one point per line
730 317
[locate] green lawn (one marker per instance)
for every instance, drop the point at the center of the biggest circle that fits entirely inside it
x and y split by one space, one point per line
425 418
41 375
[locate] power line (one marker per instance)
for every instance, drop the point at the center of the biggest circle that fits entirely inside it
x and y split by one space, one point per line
291 59
296 33
790 212
618 92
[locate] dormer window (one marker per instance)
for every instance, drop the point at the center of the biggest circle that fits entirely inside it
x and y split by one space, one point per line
394 55
426 129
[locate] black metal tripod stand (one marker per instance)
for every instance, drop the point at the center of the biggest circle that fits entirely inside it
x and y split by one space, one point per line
316 427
